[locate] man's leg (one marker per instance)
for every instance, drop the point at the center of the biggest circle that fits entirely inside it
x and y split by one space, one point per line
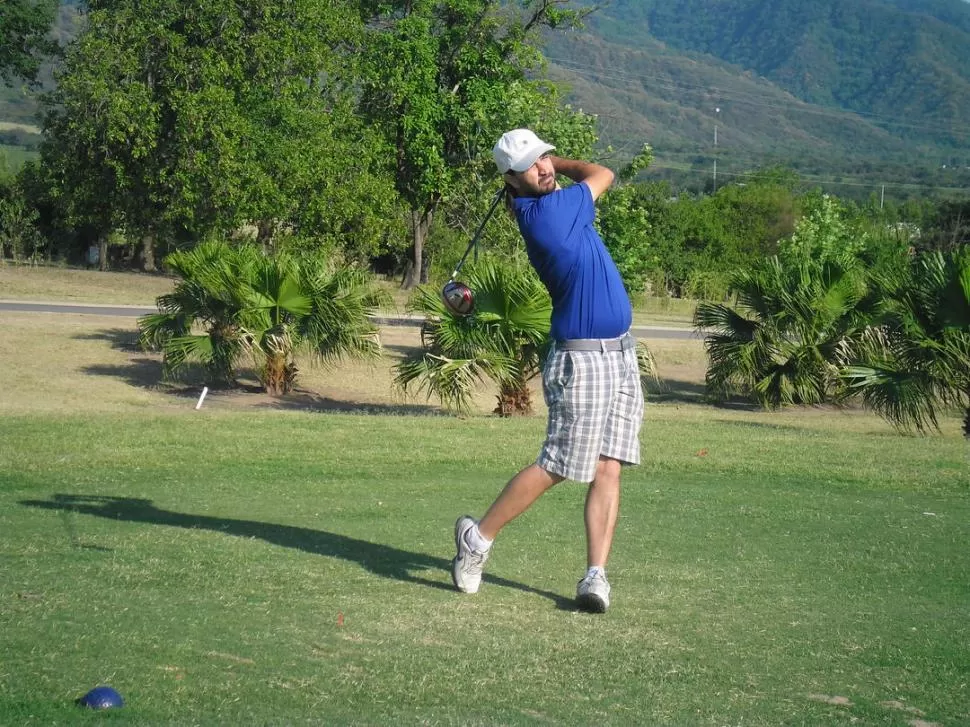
602 507
473 541
519 494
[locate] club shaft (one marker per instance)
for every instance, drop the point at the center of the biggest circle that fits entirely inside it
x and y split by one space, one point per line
478 233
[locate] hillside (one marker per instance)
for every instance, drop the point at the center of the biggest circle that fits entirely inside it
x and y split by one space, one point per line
854 94
860 92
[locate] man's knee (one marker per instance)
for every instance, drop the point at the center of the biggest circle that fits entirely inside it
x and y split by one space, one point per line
608 469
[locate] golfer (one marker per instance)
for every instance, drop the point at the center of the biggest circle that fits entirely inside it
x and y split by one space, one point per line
590 380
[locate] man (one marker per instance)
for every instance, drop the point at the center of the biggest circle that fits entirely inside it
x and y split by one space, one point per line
590 380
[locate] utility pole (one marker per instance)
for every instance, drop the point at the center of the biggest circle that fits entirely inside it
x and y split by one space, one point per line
717 110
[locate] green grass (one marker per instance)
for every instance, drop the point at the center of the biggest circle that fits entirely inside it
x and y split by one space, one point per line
292 567
267 562
12 158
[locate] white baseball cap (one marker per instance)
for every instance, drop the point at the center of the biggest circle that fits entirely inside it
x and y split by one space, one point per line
518 150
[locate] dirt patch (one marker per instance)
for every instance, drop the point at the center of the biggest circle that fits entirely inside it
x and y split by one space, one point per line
834 700
896 704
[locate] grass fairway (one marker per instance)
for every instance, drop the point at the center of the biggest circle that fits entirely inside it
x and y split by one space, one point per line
287 567
276 563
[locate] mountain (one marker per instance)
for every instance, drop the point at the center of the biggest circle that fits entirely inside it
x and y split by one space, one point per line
853 94
850 91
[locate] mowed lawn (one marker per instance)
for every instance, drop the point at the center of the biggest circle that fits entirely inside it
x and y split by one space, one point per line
259 562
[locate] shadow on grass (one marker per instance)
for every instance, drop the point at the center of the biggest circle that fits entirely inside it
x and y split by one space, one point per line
121 339
677 391
382 560
145 372
301 400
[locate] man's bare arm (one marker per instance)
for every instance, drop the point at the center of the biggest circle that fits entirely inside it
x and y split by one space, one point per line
598 178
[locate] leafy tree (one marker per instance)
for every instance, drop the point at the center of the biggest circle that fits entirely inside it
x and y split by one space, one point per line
503 341
268 306
20 236
823 233
949 227
624 224
701 240
787 337
24 25
916 361
173 121
444 78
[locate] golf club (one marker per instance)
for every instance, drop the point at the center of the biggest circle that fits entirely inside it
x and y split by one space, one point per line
457 296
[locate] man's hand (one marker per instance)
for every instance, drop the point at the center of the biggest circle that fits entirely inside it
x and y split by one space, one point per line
598 178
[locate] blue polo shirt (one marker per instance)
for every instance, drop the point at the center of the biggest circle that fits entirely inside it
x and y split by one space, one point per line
588 297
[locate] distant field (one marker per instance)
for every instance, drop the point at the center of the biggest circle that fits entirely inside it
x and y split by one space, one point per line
15 157
12 126
74 285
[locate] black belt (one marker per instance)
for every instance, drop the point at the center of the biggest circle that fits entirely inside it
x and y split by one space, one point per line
625 343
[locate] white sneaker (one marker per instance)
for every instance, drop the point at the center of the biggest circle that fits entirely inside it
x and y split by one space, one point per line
593 593
466 568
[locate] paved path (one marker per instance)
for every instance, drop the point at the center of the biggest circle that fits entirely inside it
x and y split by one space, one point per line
134 311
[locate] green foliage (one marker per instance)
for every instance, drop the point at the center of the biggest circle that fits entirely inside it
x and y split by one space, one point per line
503 341
693 244
784 341
24 25
823 233
267 306
184 121
916 360
20 236
443 79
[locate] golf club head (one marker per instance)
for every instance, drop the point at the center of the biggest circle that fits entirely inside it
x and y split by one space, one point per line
103 697
458 298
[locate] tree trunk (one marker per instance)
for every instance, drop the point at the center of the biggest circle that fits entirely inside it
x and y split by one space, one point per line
417 272
266 234
147 254
102 252
514 400
966 424
278 375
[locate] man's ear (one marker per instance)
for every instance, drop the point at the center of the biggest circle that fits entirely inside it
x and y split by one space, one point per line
512 179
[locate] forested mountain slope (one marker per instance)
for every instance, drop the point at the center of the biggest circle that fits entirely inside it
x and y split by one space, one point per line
854 93
870 88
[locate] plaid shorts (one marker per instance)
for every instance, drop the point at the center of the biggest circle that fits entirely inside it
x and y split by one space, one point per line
595 409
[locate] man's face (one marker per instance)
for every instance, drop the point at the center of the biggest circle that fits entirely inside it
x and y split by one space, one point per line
537 180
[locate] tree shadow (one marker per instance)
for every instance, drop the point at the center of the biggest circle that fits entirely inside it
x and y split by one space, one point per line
121 339
382 560
144 373
402 350
677 391
302 400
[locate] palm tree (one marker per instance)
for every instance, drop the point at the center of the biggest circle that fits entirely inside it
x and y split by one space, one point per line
785 340
304 304
917 359
503 341
206 299
233 301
